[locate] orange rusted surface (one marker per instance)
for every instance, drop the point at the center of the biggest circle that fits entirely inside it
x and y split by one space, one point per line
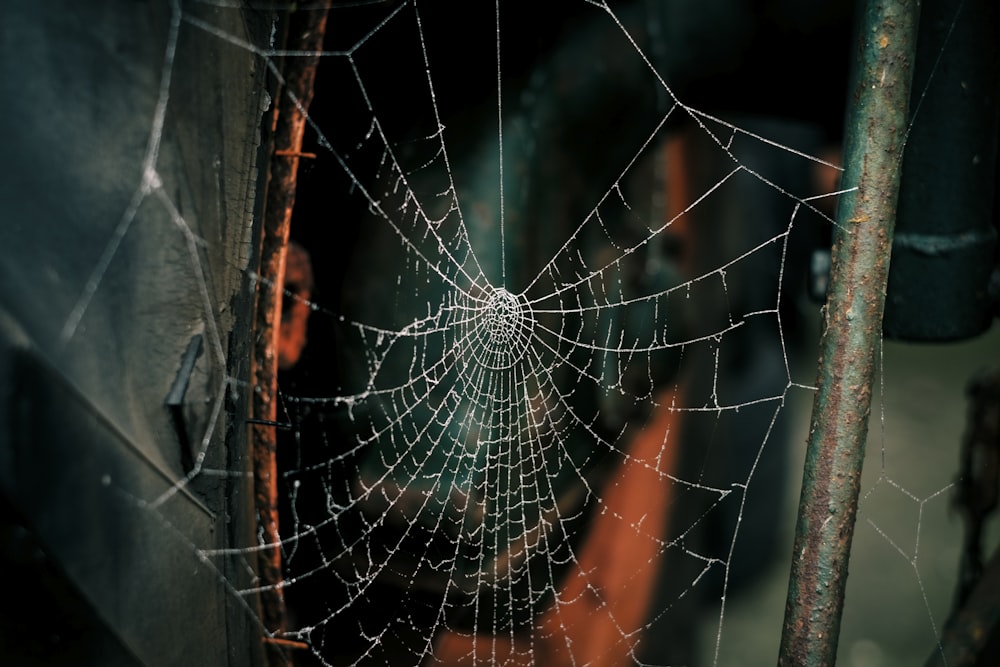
296 306
306 31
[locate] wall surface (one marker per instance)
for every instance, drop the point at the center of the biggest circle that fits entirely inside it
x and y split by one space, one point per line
129 176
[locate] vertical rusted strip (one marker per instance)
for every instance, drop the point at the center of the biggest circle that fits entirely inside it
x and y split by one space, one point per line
305 33
874 136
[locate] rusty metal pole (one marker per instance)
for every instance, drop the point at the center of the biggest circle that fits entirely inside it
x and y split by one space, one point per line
305 33
874 136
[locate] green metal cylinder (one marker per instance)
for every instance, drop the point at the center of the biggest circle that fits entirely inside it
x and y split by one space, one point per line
945 240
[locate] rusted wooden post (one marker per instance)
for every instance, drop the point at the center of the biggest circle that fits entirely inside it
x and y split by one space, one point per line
305 33
875 134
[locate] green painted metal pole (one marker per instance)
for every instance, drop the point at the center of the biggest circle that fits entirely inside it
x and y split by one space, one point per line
874 136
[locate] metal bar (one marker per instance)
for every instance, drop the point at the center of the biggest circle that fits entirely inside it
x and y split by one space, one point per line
972 634
305 33
875 132
971 637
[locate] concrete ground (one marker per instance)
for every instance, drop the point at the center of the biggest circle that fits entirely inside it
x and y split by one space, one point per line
908 537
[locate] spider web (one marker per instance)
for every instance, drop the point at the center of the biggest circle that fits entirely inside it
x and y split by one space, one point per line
534 312
553 386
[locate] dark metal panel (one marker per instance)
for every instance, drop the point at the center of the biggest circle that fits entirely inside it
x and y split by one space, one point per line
83 486
131 134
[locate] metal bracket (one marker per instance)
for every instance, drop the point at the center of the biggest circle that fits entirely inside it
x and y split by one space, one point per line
175 399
